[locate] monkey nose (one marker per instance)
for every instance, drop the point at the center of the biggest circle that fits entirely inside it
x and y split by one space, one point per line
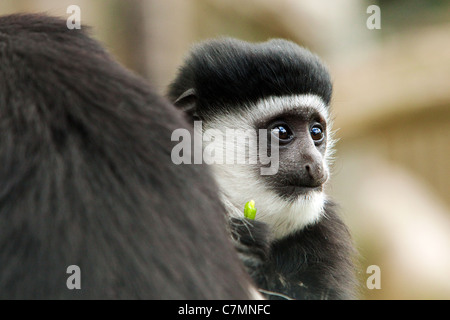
316 175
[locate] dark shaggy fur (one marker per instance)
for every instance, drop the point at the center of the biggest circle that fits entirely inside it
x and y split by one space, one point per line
224 77
86 179
314 263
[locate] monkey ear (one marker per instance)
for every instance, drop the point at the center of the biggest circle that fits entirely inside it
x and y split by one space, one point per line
187 102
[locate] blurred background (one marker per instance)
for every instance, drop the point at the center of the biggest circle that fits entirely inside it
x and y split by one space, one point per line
391 106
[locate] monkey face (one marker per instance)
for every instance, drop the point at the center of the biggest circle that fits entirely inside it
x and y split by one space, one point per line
302 138
292 197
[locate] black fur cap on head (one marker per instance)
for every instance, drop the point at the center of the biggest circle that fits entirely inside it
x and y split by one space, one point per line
224 72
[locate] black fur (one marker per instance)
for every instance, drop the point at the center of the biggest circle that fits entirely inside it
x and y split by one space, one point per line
226 76
86 179
229 72
252 242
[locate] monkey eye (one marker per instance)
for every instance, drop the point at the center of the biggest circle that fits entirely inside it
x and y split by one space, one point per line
316 132
283 132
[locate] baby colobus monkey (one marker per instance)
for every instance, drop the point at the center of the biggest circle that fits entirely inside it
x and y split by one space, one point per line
86 179
297 246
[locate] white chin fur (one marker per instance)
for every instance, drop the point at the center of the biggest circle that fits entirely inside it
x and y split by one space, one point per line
283 216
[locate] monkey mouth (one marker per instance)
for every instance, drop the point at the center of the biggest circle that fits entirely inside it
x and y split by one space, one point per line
293 191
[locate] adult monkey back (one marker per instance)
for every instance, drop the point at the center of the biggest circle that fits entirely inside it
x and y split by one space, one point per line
298 246
86 179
